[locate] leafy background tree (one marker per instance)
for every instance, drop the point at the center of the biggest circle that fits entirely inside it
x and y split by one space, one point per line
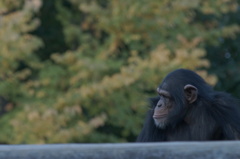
81 71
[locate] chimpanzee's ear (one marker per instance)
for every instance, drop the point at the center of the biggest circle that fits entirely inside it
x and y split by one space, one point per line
191 93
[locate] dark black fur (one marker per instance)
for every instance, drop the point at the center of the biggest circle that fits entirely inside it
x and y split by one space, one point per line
214 116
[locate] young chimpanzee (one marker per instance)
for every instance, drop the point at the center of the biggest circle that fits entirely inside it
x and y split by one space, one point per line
188 109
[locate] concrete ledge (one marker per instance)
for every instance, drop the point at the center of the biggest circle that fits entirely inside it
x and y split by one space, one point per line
170 150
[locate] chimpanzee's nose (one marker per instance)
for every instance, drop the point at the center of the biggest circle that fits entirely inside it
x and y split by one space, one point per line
159 105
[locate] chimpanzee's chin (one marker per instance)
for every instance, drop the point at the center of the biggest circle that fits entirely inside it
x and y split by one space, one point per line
160 124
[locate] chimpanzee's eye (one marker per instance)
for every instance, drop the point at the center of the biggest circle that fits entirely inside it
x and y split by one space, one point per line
163 96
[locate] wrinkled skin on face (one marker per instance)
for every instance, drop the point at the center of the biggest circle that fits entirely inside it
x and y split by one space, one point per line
166 104
162 109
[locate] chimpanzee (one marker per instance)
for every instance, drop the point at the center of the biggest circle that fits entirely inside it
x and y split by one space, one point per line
188 109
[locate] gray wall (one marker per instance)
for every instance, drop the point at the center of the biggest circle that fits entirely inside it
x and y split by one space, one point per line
170 150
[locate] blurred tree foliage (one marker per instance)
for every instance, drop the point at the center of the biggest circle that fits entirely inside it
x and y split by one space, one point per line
84 73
